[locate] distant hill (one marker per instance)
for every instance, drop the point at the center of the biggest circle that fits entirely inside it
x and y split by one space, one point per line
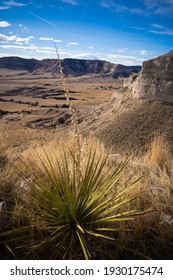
74 67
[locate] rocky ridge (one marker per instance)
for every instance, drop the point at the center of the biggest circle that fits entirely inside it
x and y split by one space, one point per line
72 67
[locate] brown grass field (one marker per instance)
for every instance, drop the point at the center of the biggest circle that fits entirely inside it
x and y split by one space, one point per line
108 121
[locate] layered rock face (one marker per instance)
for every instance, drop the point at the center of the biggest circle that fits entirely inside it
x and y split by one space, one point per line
155 81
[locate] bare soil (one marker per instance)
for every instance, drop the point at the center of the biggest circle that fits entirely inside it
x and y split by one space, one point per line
104 109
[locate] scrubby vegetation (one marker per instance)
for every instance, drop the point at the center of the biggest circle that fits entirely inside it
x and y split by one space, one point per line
60 208
73 198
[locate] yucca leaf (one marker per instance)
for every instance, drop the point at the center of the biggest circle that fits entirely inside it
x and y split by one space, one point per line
80 228
108 229
83 246
99 235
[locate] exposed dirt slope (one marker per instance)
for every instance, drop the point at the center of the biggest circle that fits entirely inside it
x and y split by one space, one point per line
129 126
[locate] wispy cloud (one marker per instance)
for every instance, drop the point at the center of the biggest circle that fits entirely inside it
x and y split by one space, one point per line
143 52
122 50
155 3
31 48
119 8
73 44
34 49
161 30
4 24
50 39
157 26
58 41
150 7
15 39
159 6
45 39
85 56
124 59
105 4
4 8
138 28
13 4
71 2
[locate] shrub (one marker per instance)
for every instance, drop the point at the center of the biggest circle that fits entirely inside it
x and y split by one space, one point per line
69 209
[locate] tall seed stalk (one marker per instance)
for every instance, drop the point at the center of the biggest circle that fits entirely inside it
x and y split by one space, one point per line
74 118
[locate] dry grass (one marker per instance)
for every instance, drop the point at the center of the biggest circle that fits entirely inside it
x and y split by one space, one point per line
152 234
148 236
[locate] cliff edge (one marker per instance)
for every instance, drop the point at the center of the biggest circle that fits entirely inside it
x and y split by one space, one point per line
155 81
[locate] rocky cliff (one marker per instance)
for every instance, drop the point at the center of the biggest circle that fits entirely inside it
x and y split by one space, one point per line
155 81
74 67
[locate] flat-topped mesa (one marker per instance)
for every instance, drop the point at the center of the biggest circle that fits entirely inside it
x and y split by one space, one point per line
155 81
71 67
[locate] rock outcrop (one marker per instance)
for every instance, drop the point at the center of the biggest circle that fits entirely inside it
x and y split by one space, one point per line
72 67
155 81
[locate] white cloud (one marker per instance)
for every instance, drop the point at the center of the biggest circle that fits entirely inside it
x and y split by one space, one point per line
34 49
12 3
138 28
161 30
44 52
85 56
71 2
91 47
58 41
50 39
4 24
124 59
20 25
157 26
154 3
118 8
143 52
151 7
73 44
31 48
4 8
15 39
46 39
159 6
122 50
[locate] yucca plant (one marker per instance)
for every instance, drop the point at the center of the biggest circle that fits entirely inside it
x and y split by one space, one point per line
64 211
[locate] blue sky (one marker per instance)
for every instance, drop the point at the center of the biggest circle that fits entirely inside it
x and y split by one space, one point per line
120 31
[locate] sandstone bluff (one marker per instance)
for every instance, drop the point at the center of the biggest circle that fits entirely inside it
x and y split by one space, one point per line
155 81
